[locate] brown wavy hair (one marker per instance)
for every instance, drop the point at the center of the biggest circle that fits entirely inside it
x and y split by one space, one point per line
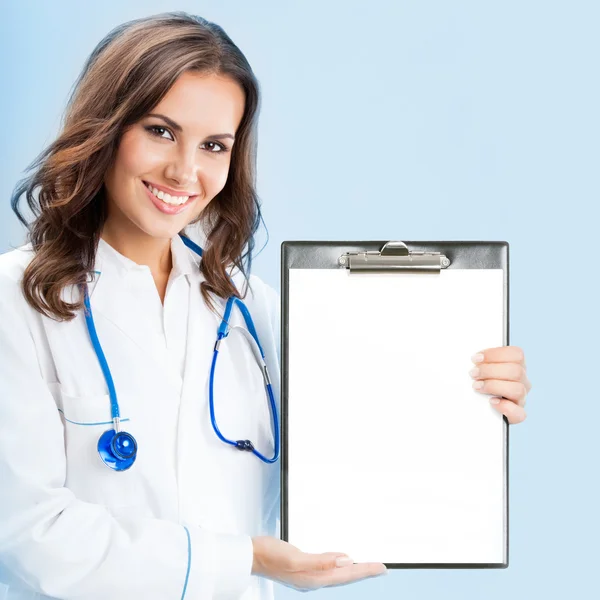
126 75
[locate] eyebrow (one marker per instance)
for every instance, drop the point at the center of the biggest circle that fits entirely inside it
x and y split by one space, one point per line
177 127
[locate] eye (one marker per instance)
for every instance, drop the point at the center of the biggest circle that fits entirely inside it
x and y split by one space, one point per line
219 147
156 129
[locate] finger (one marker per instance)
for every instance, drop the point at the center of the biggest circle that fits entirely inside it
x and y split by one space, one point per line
511 390
506 371
343 575
502 354
514 413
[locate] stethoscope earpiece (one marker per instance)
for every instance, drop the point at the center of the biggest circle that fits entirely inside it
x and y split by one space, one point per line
117 450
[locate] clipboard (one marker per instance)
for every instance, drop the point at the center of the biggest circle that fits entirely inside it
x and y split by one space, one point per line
388 453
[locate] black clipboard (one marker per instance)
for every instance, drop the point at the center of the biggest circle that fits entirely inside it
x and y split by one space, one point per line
313 275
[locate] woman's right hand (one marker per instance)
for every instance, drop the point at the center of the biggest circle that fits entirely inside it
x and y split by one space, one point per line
286 564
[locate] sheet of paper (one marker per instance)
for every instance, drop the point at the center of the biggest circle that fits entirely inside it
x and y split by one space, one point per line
392 455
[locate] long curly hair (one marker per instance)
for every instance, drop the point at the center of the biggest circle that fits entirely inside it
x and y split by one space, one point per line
126 75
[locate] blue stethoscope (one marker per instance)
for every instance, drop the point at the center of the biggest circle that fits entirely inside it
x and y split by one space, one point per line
118 449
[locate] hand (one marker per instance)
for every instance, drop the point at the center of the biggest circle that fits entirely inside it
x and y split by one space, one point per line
286 564
502 372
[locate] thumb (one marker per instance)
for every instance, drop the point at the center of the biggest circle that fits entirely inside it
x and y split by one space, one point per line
322 562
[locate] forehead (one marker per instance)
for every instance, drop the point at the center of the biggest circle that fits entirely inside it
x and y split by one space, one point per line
199 100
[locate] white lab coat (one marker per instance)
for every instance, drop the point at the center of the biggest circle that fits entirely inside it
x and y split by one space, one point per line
184 514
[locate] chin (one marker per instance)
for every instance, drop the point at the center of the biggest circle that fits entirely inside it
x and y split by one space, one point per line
163 231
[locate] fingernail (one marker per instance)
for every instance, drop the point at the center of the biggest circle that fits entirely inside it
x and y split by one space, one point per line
343 561
474 372
477 357
495 400
477 385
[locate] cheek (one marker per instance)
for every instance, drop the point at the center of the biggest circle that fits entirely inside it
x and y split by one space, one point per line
136 156
217 177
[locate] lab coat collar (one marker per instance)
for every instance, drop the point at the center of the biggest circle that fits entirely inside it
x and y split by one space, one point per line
185 261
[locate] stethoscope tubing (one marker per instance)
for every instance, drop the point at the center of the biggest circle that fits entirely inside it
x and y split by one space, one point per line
269 389
119 451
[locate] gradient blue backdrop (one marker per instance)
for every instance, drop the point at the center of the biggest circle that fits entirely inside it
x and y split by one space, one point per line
419 120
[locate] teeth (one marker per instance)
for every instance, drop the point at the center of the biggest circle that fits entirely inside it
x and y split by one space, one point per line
168 199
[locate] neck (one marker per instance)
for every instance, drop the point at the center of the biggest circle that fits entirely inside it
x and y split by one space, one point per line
141 248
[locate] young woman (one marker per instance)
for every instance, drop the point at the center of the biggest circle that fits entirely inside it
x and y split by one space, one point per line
134 463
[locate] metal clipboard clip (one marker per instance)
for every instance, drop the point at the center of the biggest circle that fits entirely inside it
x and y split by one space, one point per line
394 256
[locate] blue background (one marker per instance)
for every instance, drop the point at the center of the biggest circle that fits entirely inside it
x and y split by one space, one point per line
416 120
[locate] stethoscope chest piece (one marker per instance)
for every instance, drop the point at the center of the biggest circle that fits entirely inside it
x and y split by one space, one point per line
117 450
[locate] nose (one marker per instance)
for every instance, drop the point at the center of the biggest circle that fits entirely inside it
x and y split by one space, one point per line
184 168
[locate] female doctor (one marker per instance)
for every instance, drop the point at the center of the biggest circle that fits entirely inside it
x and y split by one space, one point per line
139 381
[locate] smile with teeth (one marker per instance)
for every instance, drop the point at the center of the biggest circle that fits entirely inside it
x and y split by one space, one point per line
167 198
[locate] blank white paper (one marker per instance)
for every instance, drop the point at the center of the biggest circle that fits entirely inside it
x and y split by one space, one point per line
392 455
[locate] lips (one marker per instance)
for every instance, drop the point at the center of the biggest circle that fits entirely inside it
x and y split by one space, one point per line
163 207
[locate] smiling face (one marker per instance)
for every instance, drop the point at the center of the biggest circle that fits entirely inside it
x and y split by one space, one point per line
182 146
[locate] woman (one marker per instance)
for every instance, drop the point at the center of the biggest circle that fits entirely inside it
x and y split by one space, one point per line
110 301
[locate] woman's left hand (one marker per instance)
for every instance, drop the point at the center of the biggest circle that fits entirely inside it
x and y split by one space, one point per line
502 372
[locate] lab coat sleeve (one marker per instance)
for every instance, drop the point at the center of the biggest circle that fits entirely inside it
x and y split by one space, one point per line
274 315
64 547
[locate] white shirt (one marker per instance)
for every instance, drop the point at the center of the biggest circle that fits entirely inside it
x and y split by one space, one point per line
179 522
